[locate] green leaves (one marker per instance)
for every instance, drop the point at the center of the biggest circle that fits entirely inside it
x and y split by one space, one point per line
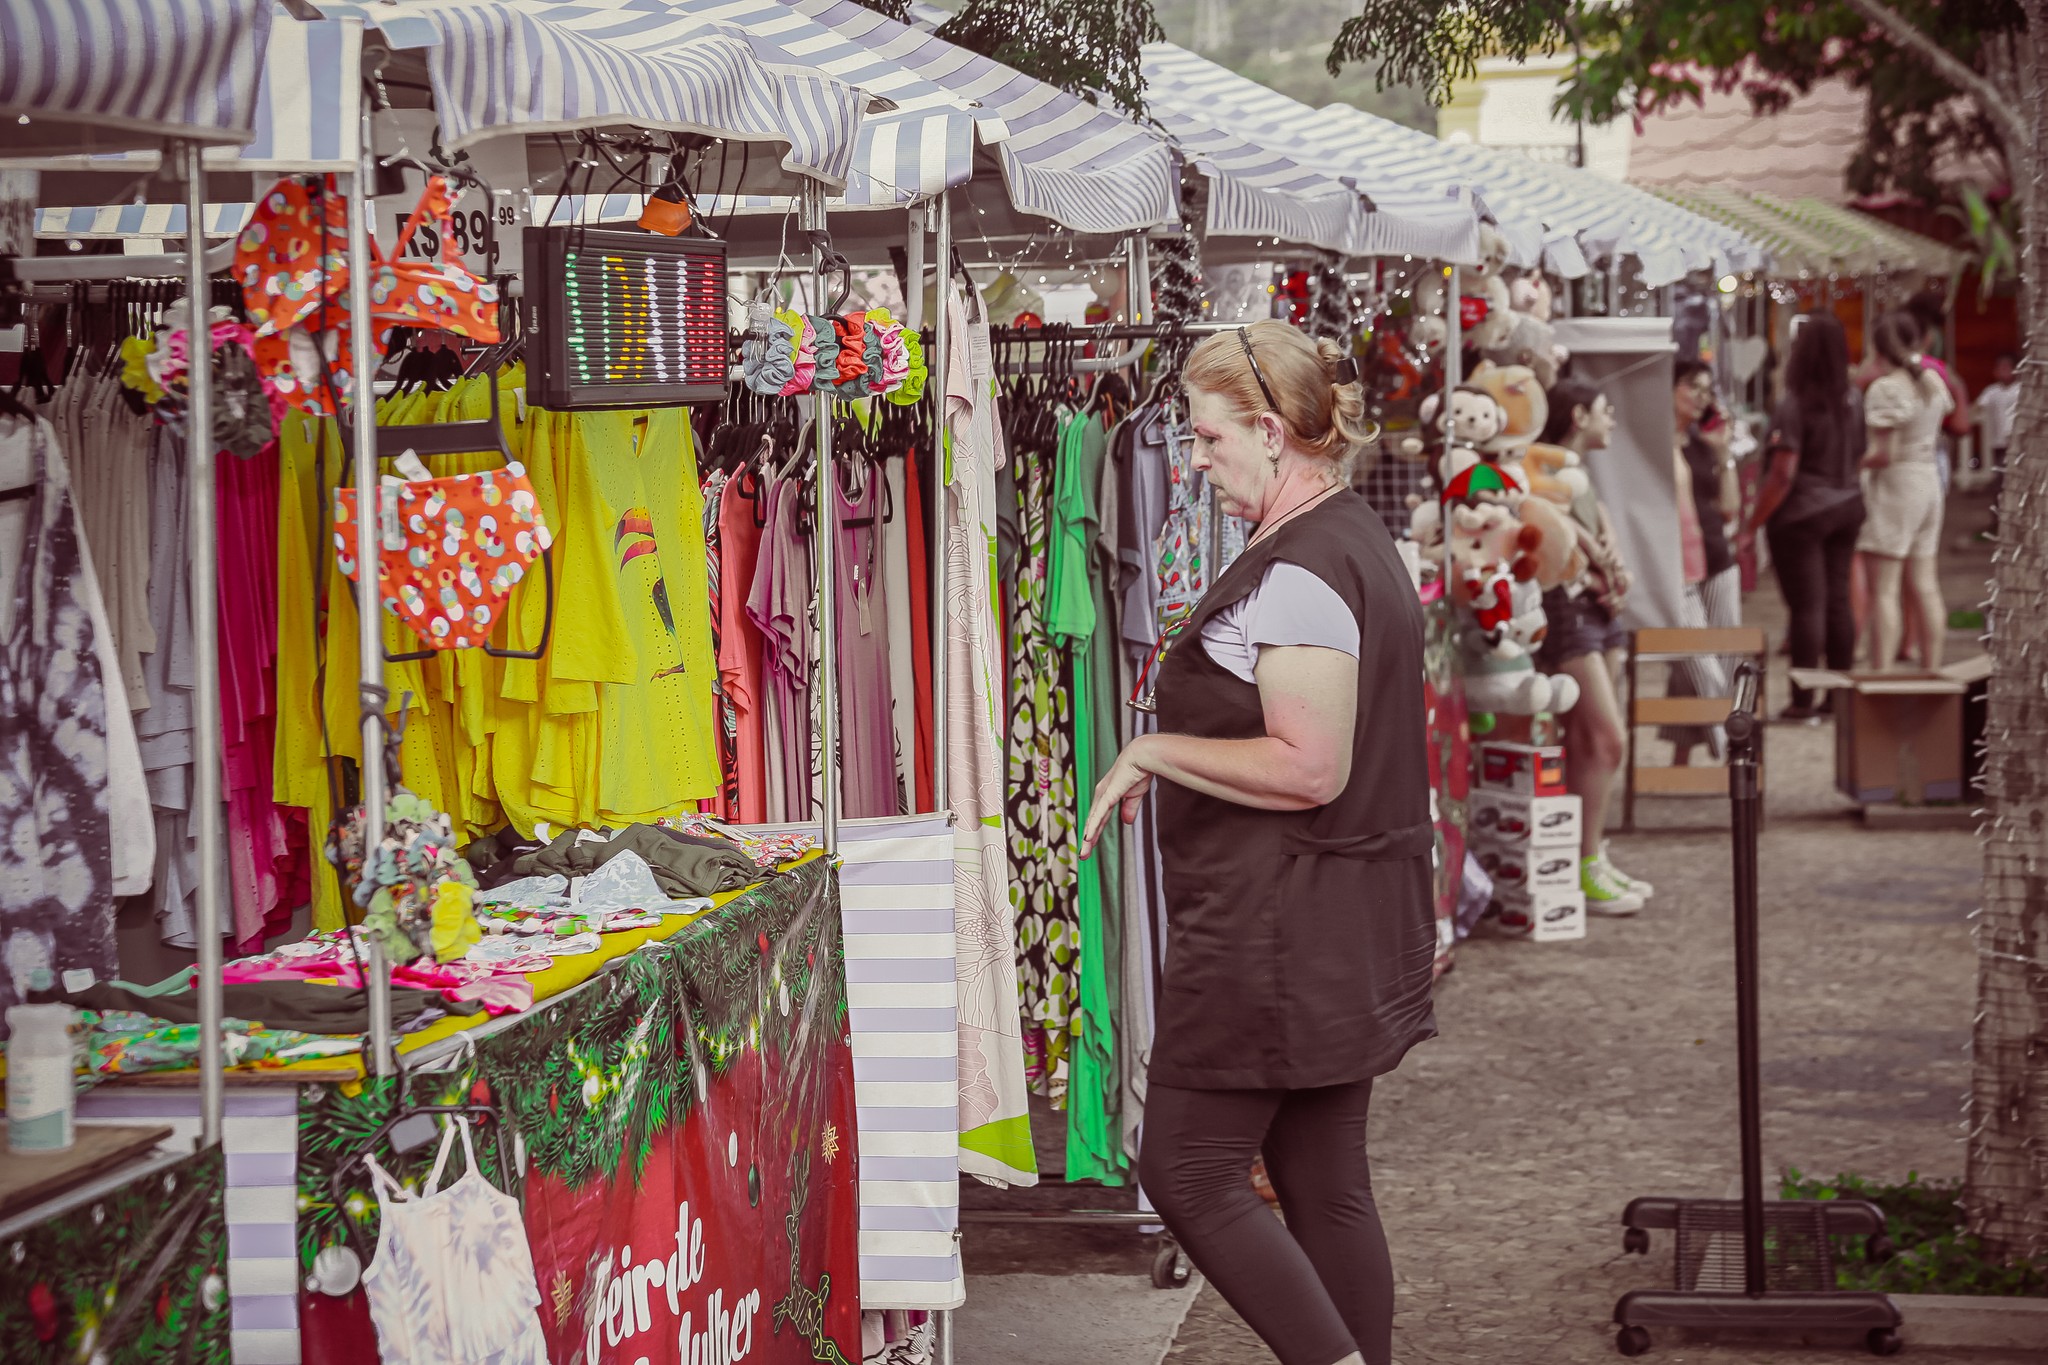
1638 57
1990 241
1434 43
1925 1223
1087 48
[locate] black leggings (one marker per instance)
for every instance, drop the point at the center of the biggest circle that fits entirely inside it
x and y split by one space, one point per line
1813 557
1321 1286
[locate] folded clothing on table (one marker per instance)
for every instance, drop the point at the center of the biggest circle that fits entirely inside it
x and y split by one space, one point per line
298 1005
682 867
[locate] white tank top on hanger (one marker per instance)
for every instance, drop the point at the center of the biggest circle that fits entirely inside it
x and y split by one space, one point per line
452 1279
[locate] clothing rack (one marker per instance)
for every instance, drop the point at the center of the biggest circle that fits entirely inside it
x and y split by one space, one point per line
1170 1267
197 266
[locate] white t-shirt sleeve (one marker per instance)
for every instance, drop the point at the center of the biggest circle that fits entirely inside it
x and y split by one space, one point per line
1291 606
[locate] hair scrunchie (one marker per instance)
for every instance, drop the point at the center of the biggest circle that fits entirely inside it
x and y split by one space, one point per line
915 372
768 358
895 356
803 355
852 377
827 352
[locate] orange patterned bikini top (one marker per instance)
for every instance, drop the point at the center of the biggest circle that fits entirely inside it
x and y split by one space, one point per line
292 264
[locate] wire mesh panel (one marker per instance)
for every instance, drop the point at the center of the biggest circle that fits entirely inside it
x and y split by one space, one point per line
1797 1256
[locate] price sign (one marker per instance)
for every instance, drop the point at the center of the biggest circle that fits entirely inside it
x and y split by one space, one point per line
624 319
479 220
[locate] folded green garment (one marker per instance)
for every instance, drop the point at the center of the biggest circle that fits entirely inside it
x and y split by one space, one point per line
300 1006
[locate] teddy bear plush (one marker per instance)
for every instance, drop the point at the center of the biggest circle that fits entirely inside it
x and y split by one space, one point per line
1486 310
1497 567
1530 343
1470 420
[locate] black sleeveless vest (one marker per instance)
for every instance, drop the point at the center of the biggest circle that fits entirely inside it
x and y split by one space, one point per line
1300 944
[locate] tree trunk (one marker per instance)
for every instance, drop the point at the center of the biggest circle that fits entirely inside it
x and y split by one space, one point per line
2006 1191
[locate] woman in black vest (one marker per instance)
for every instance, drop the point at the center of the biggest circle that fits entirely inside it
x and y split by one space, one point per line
1294 824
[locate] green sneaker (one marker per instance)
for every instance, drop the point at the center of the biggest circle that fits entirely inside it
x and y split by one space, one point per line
1628 883
1605 895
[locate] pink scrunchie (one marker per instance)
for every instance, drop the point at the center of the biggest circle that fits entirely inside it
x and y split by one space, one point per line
806 361
895 357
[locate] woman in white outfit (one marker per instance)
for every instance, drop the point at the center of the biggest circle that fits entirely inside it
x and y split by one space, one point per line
1903 412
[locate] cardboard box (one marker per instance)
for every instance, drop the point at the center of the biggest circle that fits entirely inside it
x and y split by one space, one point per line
1900 737
1543 916
1525 769
1518 868
1539 821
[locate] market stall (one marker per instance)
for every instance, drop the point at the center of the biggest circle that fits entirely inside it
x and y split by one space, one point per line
675 974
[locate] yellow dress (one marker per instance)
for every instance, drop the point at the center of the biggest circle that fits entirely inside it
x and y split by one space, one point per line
632 477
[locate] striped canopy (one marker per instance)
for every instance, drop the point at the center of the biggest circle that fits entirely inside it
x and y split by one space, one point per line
306 110
108 75
1258 193
1060 157
1415 208
518 67
1812 237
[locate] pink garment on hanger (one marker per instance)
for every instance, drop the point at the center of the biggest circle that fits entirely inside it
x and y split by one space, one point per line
267 844
739 640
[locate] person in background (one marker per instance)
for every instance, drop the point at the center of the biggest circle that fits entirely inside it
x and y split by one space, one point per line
1708 495
1903 412
1583 639
1811 503
1997 406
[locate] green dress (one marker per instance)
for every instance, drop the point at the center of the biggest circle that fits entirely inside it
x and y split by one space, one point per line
1078 614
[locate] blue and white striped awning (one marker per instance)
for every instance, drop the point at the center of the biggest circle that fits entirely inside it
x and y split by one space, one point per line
520 67
138 220
1257 193
306 111
113 75
1062 158
921 145
1415 208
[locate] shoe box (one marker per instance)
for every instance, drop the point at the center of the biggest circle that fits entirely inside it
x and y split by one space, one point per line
1521 868
1537 821
1543 915
1523 769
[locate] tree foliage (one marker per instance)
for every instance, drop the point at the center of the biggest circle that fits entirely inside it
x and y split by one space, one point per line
1281 44
1087 48
1643 57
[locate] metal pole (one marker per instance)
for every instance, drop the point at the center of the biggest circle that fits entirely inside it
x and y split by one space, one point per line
942 552
1743 800
369 610
913 267
826 532
206 741
942 1337
1141 280
1454 343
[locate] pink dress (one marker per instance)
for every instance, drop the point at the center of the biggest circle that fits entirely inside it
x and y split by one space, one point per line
739 642
267 868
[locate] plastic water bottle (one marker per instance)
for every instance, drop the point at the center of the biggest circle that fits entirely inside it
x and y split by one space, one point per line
40 1064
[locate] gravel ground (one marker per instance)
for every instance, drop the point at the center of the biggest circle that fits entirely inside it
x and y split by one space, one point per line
1569 1078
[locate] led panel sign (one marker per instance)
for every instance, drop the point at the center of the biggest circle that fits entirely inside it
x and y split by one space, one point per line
623 319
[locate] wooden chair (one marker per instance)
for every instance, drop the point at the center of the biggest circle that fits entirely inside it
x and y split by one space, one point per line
1675 645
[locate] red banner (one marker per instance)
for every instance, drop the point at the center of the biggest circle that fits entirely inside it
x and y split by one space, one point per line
737 1243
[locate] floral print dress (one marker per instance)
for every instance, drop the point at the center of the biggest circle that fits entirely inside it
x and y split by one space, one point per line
1044 843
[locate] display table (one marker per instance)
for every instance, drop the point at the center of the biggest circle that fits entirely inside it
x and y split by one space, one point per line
690 1085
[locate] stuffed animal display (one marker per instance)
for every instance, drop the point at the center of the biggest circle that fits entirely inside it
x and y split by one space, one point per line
1495 545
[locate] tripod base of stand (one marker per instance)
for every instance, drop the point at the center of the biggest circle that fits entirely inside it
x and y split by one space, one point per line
1874 1315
